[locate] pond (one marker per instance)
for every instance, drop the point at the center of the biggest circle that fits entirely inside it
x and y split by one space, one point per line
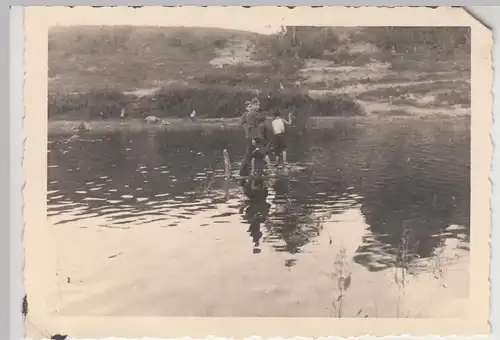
158 221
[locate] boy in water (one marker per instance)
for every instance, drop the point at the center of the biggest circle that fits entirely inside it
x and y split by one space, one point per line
260 145
279 141
249 121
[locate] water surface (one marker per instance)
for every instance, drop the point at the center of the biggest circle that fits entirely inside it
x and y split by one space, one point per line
407 178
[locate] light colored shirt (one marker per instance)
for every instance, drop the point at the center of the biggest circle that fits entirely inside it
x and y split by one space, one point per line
278 126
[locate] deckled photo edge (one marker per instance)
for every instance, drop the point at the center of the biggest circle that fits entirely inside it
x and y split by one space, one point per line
39 256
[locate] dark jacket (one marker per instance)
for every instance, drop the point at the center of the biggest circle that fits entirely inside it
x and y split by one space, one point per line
250 122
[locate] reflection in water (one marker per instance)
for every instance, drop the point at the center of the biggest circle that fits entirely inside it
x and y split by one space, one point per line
407 176
256 210
291 220
416 195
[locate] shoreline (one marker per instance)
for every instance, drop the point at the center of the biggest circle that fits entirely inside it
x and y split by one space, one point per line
64 126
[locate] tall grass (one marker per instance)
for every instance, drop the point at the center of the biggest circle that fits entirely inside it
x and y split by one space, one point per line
405 265
401 268
343 278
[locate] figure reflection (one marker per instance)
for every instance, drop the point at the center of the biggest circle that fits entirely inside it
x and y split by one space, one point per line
255 210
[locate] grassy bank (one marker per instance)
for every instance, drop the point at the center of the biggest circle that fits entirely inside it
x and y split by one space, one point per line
64 127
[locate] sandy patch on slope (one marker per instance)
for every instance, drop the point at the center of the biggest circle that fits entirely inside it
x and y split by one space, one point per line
316 70
237 52
412 98
151 91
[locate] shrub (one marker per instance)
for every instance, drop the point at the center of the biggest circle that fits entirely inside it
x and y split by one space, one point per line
208 102
87 105
301 42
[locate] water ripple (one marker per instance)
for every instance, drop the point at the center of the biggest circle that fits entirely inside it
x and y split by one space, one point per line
400 177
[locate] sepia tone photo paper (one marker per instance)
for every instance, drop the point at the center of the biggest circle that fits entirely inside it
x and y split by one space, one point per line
261 171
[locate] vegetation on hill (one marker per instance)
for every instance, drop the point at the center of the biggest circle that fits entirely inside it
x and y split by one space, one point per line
327 43
97 69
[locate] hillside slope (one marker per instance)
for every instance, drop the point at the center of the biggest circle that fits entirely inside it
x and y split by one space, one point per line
402 70
127 58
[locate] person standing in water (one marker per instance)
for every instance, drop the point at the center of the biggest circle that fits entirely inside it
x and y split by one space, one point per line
254 126
260 145
279 141
250 122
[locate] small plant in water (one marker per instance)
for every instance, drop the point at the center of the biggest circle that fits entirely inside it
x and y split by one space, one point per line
206 186
439 263
405 266
401 273
343 278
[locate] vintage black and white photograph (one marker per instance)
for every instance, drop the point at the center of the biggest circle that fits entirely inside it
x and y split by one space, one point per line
273 171
303 171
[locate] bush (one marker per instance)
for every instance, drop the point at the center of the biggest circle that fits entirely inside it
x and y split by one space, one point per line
303 42
212 102
454 97
445 40
88 105
175 42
